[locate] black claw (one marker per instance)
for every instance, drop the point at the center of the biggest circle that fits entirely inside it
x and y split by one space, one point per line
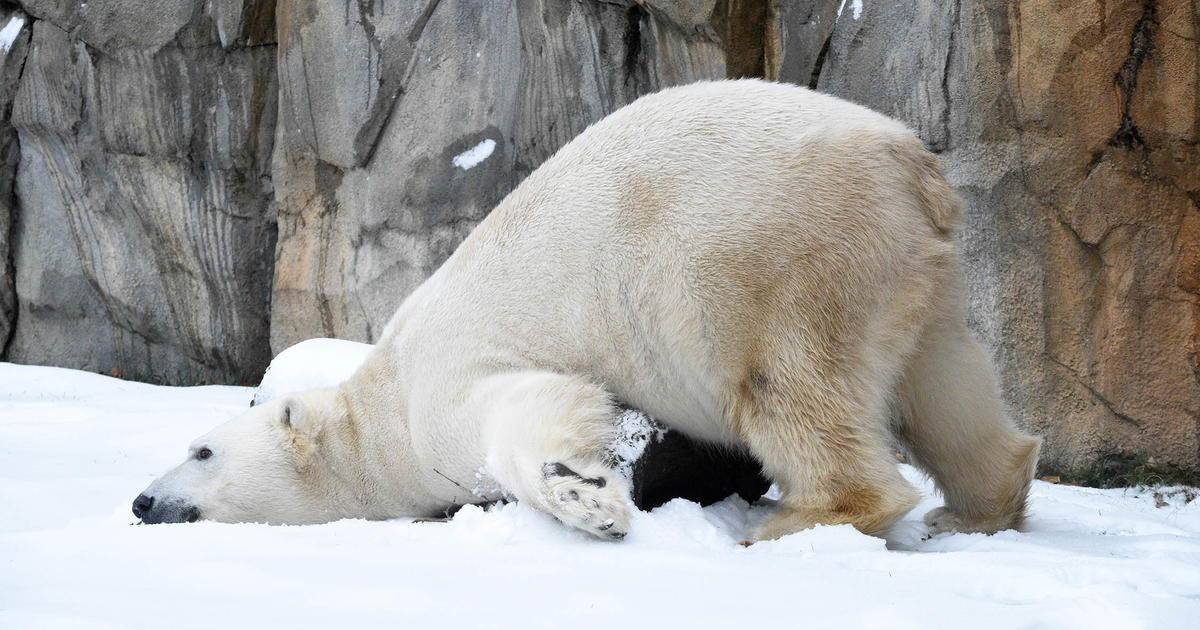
559 469
616 535
606 526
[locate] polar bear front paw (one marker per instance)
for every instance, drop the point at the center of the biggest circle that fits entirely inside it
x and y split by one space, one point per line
596 504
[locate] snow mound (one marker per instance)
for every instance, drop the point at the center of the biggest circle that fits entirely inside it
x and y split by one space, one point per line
823 538
311 364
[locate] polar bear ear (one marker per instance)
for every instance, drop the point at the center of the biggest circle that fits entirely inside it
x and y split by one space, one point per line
299 437
297 420
294 416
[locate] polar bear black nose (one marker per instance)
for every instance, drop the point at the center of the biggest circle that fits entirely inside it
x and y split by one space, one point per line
141 505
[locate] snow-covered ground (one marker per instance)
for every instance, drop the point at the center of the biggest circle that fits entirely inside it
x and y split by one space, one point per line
76 448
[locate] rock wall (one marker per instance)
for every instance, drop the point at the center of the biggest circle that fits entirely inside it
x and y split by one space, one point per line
377 103
378 99
1071 130
14 44
163 146
145 226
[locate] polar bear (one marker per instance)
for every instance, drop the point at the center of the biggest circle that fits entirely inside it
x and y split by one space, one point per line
756 265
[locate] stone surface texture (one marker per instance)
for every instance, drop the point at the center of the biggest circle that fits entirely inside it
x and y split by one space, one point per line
14 44
161 148
1071 129
377 100
145 220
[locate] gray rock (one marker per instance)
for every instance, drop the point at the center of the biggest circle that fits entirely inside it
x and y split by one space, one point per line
14 44
798 38
244 22
145 222
894 58
113 25
375 108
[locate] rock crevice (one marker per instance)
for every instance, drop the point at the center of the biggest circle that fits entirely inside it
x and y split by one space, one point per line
14 46
1140 43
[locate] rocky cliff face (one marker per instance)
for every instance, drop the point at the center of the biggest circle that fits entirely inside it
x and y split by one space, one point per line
14 43
145 226
378 99
162 145
376 105
1071 131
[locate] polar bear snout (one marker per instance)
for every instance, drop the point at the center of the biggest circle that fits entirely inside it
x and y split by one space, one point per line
152 511
142 505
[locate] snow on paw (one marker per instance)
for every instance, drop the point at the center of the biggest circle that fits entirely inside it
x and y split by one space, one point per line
592 501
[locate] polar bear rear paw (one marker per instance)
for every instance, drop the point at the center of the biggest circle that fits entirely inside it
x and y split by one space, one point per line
940 520
944 519
589 500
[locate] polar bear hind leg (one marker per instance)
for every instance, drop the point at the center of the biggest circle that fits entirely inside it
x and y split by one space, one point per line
814 391
953 424
830 461
546 435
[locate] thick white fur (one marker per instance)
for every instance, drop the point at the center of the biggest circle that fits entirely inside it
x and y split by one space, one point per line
750 263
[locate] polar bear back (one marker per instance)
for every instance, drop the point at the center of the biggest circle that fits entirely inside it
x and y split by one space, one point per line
655 250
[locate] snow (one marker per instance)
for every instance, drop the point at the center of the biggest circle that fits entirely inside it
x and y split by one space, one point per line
635 431
474 155
311 364
855 8
9 33
75 448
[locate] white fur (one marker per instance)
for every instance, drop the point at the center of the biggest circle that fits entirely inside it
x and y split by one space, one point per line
749 263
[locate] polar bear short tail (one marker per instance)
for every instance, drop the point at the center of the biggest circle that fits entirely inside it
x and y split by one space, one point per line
926 183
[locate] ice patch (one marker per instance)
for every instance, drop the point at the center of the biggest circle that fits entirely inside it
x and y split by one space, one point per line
855 8
9 33
475 154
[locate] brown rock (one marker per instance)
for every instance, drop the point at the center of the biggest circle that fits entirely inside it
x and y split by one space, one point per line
1071 130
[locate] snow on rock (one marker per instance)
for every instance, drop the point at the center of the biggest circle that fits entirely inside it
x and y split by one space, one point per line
474 155
9 33
855 8
75 448
311 364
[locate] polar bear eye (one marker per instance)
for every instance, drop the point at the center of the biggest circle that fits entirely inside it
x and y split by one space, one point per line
203 454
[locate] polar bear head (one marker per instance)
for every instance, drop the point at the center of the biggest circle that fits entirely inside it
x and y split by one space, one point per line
258 467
